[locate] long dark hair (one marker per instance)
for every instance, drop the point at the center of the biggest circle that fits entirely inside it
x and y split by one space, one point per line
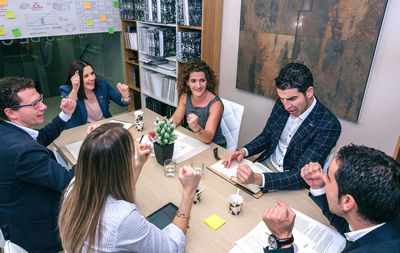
79 65
105 167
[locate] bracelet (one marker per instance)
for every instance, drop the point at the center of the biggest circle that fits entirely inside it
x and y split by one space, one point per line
199 131
122 99
182 215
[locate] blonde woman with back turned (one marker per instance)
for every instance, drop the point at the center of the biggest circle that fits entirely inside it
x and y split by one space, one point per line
98 213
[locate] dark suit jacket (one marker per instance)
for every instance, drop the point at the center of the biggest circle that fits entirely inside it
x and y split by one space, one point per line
312 142
104 93
383 239
31 183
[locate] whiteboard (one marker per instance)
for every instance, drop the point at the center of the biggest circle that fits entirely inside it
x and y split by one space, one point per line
26 18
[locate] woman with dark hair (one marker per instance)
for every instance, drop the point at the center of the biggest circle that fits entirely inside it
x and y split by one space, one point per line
198 103
98 211
92 95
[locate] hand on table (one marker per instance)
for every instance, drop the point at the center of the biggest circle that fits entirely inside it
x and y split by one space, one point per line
233 155
152 135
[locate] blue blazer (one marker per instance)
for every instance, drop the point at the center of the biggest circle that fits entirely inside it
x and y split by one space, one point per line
31 183
104 93
312 142
383 239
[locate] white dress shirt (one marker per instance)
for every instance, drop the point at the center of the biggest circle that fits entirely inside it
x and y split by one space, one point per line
124 229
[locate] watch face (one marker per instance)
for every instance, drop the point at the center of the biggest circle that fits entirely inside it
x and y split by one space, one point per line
272 242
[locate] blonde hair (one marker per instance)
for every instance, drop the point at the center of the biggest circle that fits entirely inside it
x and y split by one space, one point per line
105 167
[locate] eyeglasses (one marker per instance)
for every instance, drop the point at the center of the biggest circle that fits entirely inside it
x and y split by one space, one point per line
35 104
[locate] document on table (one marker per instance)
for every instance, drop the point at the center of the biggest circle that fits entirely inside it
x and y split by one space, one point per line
185 146
231 171
310 236
74 148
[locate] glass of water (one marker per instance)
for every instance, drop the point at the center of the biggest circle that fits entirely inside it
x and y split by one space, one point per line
169 168
198 166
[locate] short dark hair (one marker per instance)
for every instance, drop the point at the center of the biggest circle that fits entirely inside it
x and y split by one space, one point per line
372 178
294 75
79 65
196 66
9 87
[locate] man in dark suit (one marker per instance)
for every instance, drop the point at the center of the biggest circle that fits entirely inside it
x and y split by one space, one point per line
31 181
360 196
299 130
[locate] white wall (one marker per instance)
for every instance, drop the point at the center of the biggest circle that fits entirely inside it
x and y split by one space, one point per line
379 120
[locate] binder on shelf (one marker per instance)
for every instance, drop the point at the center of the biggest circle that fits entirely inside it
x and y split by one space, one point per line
157 41
156 11
135 79
189 12
130 37
166 12
137 100
188 46
127 9
142 10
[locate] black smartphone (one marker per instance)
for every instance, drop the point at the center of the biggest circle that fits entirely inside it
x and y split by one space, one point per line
216 154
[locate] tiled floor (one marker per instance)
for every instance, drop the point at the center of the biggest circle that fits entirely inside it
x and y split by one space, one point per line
53 109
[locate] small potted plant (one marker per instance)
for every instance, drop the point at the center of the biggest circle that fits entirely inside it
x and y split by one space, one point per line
164 145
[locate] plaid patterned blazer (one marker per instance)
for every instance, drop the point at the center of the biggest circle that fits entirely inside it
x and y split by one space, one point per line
312 142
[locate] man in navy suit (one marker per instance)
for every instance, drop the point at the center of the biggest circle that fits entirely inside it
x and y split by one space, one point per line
31 181
360 196
299 130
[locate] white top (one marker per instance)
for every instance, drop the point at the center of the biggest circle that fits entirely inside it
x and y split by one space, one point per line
124 229
292 124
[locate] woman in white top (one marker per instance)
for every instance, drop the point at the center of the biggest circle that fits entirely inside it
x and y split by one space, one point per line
98 213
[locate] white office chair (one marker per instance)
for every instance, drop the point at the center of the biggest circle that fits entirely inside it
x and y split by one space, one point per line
10 247
230 123
2 240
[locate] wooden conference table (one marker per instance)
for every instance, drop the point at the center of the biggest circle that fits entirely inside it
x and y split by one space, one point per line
153 190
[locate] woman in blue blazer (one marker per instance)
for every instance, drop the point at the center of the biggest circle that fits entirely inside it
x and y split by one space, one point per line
93 97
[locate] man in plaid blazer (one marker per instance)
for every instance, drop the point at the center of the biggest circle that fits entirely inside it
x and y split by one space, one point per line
299 130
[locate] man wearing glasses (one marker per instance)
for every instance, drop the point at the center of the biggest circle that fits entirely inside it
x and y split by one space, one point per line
31 181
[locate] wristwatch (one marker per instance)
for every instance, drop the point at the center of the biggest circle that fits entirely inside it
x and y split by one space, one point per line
276 243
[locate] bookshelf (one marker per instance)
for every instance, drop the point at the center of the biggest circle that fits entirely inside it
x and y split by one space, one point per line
151 73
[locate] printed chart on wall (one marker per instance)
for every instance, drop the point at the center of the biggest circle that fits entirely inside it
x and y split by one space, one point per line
26 19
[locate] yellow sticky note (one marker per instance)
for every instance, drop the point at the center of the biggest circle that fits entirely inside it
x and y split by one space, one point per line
86 5
103 18
10 14
89 22
3 2
2 32
214 222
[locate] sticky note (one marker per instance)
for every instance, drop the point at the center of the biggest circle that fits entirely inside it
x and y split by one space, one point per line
16 32
86 5
10 14
214 222
116 4
89 22
103 18
2 32
111 30
3 2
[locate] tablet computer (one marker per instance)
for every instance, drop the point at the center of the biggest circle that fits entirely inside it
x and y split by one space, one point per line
163 216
